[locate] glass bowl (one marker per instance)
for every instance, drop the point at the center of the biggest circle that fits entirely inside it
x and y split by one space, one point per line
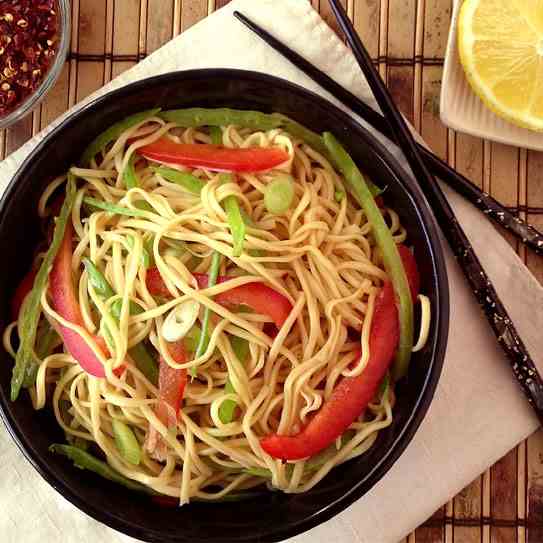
30 102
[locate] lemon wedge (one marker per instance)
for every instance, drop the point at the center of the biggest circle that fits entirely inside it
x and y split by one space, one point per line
501 49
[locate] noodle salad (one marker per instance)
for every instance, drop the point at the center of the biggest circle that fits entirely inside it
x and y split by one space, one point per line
221 301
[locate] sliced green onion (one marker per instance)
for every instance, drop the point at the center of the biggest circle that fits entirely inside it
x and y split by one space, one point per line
114 208
339 195
183 179
216 135
180 320
385 242
235 219
126 442
279 194
84 460
240 347
25 369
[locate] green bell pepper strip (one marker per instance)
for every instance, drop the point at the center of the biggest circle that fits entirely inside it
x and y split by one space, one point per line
216 135
213 274
235 219
139 353
25 368
184 179
113 132
113 208
391 258
46 338
85 460
240 347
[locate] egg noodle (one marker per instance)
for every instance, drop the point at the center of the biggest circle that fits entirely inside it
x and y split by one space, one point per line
319 254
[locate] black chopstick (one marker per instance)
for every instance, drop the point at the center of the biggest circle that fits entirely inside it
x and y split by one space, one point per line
508 337
483 201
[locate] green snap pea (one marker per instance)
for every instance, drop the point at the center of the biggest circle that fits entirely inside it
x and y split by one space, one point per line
113 132
85 460
195 117
385 242
25 368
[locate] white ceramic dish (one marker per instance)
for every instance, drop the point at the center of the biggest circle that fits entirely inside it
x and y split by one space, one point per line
462 110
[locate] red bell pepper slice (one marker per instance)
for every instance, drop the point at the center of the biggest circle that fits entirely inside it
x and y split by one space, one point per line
352 395
214 157
261 298
171 387
65 303
25 286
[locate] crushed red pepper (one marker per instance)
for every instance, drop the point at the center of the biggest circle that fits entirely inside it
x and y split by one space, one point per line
28 46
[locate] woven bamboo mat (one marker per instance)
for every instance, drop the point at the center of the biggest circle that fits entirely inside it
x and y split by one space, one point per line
407 39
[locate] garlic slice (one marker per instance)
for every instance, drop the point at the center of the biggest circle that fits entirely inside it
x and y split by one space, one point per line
180 320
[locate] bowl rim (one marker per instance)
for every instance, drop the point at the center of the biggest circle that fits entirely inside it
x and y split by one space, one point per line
441 317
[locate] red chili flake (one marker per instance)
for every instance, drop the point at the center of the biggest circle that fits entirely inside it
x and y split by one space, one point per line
28 47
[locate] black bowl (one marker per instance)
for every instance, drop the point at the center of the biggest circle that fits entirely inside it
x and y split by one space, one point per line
276 515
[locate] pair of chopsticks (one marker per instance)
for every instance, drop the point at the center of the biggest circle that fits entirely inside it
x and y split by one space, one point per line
424 166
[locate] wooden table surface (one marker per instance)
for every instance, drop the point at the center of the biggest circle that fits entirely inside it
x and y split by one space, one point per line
407 39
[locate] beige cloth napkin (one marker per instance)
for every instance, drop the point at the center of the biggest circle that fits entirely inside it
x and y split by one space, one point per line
478 413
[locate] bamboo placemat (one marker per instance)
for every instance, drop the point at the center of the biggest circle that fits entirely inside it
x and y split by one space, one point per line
407 40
